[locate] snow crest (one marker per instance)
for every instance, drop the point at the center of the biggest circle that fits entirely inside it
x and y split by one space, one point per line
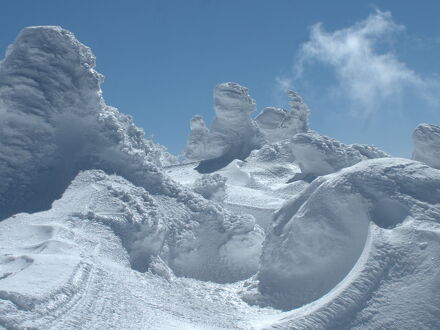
319 155
384 209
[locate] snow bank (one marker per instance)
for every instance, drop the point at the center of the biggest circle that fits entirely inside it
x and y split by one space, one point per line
278 124
55 123
319 155
233 133
427 144
386 210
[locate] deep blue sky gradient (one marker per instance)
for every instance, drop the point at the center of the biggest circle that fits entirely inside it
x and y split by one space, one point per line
162 58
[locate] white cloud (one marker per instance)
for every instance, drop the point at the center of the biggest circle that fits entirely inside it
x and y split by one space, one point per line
366 77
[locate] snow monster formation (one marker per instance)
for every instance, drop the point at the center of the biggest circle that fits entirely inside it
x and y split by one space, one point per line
94 233
278 124
427 144
234 134
319 155
56 124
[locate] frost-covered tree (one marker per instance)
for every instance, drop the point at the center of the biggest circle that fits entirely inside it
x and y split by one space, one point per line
211 186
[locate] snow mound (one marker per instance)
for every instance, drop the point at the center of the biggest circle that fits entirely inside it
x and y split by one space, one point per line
55 123
278 124
233 133
427 144
319 155
350 238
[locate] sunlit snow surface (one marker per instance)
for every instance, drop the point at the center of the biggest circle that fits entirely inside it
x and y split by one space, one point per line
299 232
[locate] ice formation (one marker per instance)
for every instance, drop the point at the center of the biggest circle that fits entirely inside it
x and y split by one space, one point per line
211 186
279 124
291 230
319 155
197 145
55 123
427 144
233 133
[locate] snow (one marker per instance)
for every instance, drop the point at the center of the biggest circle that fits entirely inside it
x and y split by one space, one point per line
319 155
316 240
77 264
211 186
427 144
233 133
279 124
266 224
55 123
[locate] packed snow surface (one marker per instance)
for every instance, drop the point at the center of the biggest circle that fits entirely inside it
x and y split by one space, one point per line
266 224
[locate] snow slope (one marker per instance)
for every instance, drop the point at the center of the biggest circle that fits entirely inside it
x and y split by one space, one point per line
77 264
102 229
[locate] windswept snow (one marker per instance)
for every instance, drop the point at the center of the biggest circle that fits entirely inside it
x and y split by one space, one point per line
77 264
389 207
101 228
320 155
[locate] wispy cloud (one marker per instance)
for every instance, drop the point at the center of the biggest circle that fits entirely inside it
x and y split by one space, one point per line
367 75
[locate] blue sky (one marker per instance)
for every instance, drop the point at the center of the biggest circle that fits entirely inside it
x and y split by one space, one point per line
370 71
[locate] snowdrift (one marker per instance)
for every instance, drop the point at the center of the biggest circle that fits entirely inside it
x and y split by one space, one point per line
366 241
319 155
